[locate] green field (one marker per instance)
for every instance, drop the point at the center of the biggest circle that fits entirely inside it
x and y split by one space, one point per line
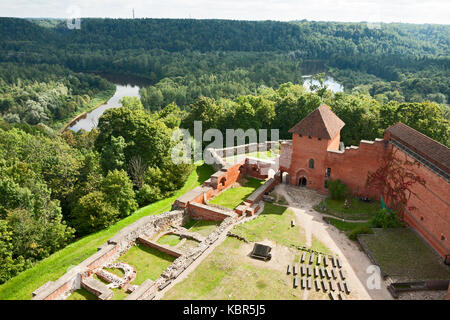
402 254
264 155
202 227
148 262
274 223
359 210
81 294
169 239
233 197
53 267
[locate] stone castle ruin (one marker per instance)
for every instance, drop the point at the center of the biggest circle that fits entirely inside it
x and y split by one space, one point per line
314 155
194 204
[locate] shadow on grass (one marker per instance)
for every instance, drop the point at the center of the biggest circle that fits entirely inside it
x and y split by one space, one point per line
155 252
82 294
270 208
204 172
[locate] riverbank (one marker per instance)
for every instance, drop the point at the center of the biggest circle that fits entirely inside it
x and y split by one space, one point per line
97 101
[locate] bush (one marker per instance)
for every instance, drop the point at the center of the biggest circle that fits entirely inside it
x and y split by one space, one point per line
338 190
359 230
148 194
385 219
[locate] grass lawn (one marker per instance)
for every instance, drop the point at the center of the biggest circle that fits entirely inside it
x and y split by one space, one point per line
235 279
274 223
81 294
53 267
359 210
116 271
202 227
233 197
348 227
403 255
264 155
169 239
149 262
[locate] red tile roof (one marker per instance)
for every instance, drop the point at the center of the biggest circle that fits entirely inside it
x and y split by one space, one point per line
321 123
426 147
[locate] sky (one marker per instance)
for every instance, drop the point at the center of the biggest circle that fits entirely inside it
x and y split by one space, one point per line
410 11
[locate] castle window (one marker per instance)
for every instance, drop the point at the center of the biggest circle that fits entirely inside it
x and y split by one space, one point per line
311 163
319 139
310 137
328 172
442 237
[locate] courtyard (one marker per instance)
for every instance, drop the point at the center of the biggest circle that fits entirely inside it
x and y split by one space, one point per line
222 277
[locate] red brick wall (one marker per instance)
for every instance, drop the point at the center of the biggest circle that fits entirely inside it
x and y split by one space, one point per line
159 247
431 218
206 213
61 290
102 259
353 166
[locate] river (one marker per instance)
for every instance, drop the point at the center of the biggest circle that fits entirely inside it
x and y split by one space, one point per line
92 117
328 81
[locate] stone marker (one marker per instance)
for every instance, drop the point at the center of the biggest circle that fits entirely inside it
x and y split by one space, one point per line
295 282
309 283
333 273
327 270
347 287
339 264
303 283
289 268
316 271
308 271
303 257
295 269
325 261
303 269
332 296
342 296
325 285
317 282
332 286
343 275
311 258
319 259
322 272
292 223
340 286
333 261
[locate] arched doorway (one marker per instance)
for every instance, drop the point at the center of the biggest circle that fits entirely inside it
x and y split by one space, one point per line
302 182
285 178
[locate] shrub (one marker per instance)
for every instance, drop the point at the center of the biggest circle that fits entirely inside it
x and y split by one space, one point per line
385 219
148 194
338 190
359 230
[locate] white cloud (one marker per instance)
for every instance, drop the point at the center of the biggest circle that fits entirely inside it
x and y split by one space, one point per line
413 11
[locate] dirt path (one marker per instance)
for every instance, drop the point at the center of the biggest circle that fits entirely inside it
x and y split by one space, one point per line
355 262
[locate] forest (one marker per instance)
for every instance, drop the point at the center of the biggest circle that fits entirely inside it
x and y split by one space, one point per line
58 186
